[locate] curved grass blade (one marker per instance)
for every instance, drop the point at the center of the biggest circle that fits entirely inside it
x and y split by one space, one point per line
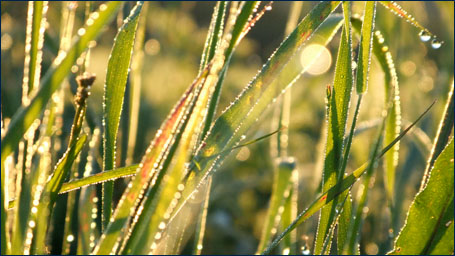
50 192
268 84
442 136
429 224
425 34
51 81
339 188
281 190
337 118
114 91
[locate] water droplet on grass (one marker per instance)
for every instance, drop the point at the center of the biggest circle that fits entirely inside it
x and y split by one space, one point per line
424 36
436 44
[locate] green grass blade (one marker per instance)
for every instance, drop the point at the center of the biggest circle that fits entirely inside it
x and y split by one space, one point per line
366 43
425 34
344 222
431 213
165 139
240 116
393 124
87 205
114 91
53 78
282 117
50 192
136 83
280 191
36 21
214 34
338 113
340 187
202 218
99 178
442 136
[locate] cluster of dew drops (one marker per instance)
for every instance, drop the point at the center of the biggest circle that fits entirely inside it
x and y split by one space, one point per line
426 36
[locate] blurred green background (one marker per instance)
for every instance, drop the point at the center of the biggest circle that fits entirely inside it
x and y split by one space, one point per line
174 40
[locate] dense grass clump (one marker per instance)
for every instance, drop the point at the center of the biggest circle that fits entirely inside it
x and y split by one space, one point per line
115 142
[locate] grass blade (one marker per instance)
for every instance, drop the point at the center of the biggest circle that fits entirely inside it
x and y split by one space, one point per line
136 83
442 136
281 190
340 187
36 20
202 218
425 34
49 195
238 118
366 44
99 178
338 113
430 215
114 91
51 81
165 139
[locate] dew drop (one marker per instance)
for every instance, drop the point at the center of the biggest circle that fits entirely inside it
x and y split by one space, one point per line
424 36
354 65
268 8
70 238
436 44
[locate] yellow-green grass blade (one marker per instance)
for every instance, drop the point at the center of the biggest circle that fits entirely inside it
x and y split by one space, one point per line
337 118
340 187
429 224
53 78
114 91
